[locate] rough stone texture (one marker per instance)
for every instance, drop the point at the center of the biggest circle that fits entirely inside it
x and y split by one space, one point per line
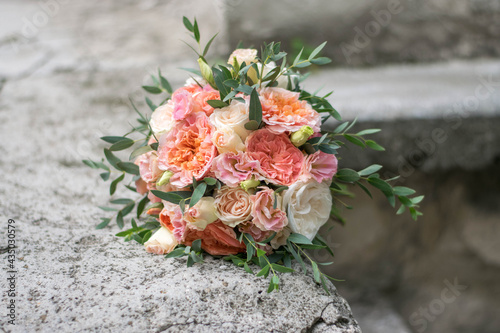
416 31
74 278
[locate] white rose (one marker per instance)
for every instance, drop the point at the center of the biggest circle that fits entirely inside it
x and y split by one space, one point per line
282 80
201 214
234 116
226 140
162 119
308 207
162 242
233 205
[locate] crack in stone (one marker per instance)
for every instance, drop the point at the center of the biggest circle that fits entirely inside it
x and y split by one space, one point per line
317 320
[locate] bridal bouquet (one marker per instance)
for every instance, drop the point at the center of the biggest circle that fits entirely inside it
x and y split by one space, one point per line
236 164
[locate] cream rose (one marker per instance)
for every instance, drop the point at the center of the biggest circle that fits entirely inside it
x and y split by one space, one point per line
308 207
162 242
227 141
243 55
234 117
232 205
162 119
201 214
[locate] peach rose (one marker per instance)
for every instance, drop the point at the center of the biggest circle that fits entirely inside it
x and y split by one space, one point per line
162 242
243 55
282 111
217 239
279 161
201 98
265 216
250 228
232 205
187 150
201 214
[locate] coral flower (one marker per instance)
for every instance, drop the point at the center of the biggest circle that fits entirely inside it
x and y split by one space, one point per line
187 150
217 239
282 111
280 162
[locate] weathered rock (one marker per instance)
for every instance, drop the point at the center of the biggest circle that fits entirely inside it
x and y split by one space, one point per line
375 31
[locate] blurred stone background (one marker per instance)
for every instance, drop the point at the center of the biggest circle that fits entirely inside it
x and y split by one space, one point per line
426 72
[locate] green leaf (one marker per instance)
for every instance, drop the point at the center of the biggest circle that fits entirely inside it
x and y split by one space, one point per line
313 246
402 190
198 193
405 201
90 164
355 140
196 245
298 239
152 89
122 144
141 205
196 31
347 175
128 167
250 250
340 128
112 159
282 269
178 252
323 283
174 196
128 208
139 151
108 209
417 200
297 58
320 61
205 51
104 223
317 50
263 271
217 103
114 183
316 272
164 82
295 255
369 170
187 23
303 64
122 201
373 145
369 131
260 253
252 125
363 187
112 139
210 181
119 220
104 175
151 105
255 109
401 210
247 269
232 83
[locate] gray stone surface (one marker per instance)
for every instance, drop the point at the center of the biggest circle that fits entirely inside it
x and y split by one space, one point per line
375 31
74 278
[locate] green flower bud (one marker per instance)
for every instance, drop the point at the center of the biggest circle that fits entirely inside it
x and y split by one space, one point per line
300 137
165 178
249 184
206 71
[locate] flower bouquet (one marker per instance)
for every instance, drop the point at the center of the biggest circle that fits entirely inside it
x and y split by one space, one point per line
235 164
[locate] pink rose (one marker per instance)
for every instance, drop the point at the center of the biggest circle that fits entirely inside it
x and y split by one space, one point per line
148 167
232 169
183 104
265 217
187 150
280 162
321 166
282 111
201 98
